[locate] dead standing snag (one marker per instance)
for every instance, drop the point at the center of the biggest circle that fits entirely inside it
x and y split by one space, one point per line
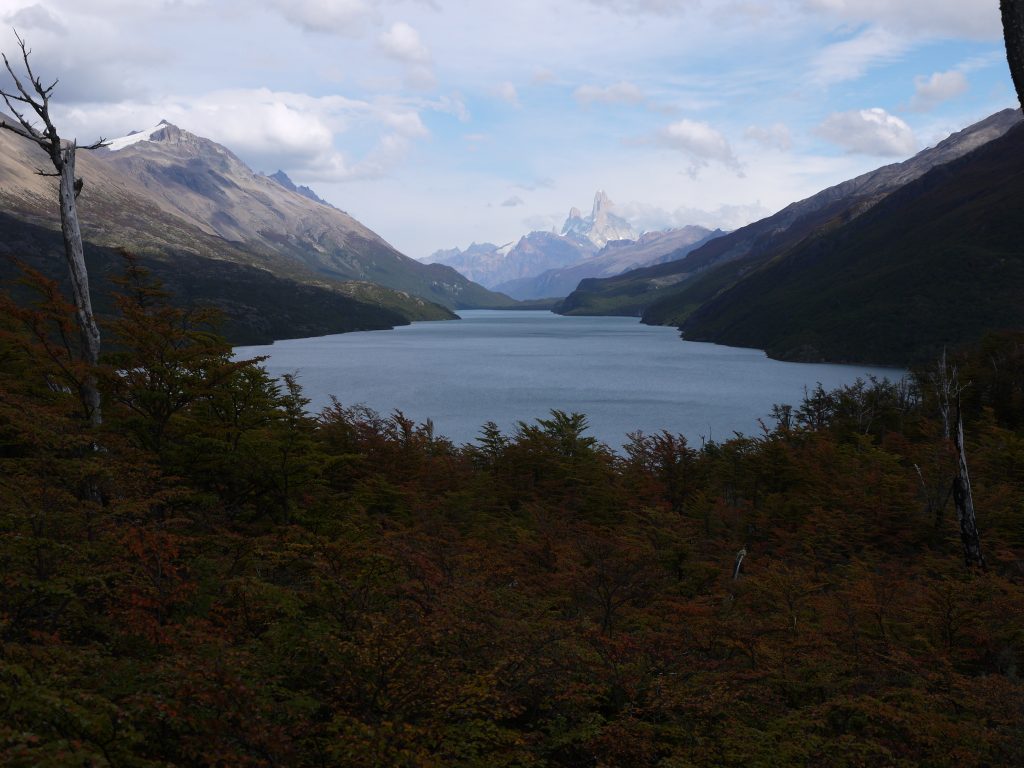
36 96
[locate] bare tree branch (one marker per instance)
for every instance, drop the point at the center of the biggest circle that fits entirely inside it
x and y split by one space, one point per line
17 129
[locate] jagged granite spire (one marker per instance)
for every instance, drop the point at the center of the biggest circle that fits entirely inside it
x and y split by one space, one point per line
601 226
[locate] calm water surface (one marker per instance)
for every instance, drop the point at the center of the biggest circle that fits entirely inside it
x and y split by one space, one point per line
506 366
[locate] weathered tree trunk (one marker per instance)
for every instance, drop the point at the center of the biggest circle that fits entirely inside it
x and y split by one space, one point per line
1013 35
36 96
739 563
74 253
964 500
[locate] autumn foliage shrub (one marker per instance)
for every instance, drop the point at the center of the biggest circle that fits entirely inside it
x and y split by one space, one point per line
217 577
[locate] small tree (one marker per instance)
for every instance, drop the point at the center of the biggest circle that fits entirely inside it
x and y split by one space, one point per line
62 155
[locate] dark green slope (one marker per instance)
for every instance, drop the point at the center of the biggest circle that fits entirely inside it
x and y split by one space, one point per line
629 293
937 263
626 294
673 304
258 306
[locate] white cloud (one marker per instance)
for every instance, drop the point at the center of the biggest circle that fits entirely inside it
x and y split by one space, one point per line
35 17
513 202
277 129
542 222
931 18
851 59
452 105
332 16
403 42
646 217
929 92
542 76
775 136
616 93
543 182
507 92
869 132
96 63
659 7
404 122
700 142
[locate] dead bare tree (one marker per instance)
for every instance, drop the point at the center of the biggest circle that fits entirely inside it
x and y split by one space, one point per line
964 499
946 383
36 96
1013 35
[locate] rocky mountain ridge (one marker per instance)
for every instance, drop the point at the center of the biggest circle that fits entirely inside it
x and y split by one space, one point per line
220 233
616 257
599 244
197 179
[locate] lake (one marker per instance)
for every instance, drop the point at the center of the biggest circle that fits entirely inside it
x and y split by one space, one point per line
507 366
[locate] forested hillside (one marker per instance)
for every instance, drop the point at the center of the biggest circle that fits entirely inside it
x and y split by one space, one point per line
214 577
935 264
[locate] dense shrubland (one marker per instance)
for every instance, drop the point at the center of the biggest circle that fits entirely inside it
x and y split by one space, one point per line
215 577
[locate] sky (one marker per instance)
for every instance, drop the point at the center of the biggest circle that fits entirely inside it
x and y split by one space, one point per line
443 122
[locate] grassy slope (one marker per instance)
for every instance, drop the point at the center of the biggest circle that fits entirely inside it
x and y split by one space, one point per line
935 264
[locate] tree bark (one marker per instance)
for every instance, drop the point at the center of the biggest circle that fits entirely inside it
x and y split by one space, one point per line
1013 36
964 500
74 253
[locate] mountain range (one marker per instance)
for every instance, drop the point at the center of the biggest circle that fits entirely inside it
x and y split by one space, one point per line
184 202
616 257
706 284
551 264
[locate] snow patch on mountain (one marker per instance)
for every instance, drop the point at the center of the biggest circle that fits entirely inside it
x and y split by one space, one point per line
113 145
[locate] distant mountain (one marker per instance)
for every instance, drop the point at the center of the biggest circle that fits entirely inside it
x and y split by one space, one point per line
480 262
493 265
538 252
601 227
548 264
935 264
667 293
616 257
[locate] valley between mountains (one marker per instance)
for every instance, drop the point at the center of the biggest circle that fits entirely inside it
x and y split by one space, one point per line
887 268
